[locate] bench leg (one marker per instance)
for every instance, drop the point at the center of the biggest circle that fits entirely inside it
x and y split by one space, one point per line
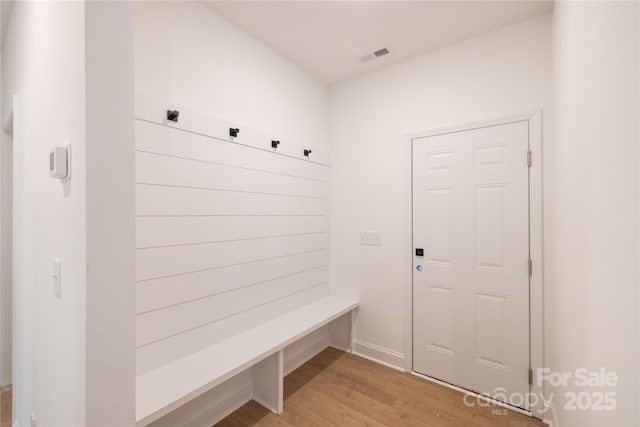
341 331
268 382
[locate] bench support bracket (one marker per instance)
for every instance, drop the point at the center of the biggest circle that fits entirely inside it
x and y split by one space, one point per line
268 382
341 331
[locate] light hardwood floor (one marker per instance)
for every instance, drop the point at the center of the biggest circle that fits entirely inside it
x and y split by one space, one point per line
339 389
5 408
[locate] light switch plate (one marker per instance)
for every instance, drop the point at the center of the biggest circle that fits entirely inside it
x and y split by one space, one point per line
56 276
371 238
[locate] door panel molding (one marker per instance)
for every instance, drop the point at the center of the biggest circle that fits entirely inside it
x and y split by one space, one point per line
536 336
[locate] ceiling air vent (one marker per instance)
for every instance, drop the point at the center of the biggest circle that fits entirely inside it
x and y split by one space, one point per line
381 52
377 54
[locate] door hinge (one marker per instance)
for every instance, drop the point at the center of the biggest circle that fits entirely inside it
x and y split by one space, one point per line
530 267
528 157
530 376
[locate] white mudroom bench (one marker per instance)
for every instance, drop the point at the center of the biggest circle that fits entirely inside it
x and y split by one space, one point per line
259 349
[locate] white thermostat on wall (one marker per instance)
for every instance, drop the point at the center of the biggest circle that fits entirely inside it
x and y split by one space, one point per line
59 166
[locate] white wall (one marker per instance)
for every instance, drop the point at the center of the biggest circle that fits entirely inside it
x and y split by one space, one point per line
6 239
592 221
6 225
110 213
229 236
191 58
6 231
187 54
591 250
50 216
67 356
500 73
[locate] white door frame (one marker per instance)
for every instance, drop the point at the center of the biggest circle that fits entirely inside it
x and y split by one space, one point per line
6 349
536 338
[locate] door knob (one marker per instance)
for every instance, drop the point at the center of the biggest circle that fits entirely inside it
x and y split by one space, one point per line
420 267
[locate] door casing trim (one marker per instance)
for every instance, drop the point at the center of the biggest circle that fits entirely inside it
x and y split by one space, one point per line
536 305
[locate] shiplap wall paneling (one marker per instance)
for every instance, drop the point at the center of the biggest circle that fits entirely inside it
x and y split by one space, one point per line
153 356
229 234
157 231
158 324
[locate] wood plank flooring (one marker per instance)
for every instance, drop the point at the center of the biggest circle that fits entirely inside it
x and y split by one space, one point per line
340 389
5 408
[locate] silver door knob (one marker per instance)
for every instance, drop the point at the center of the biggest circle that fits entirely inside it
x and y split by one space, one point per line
419 268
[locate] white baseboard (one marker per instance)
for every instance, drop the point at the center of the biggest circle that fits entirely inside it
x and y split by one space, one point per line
212 406
219 410
551 415
381 355
306 348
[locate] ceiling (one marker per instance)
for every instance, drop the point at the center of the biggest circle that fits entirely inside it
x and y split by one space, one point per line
328 38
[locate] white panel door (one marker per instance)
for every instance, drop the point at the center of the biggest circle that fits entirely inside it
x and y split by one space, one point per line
471 294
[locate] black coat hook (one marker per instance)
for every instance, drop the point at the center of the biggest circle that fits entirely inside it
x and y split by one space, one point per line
274 144
234 132
307 152
172 115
